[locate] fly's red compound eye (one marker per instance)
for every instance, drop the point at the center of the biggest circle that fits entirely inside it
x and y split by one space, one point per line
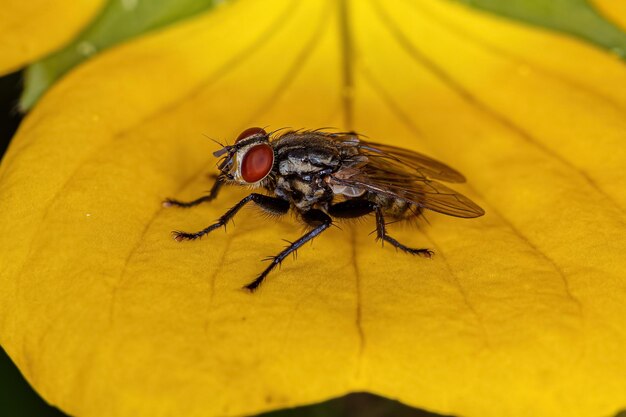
257 163
251 131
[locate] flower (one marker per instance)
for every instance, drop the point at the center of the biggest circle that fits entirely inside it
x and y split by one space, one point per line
30 30
519 313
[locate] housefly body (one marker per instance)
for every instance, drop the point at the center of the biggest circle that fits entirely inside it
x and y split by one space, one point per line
324 176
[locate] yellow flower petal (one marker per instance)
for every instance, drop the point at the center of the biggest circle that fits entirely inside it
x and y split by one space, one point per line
31 29
613 10
519 313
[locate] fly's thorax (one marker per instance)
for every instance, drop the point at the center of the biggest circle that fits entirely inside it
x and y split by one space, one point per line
306 162
303 193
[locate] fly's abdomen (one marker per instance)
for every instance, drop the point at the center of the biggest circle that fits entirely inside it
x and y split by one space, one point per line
395 207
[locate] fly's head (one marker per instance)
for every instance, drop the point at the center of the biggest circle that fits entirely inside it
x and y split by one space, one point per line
249 160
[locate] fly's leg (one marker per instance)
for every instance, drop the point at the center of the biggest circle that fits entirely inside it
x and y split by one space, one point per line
357 208
272 205
317 219
351 209
217 185
381 233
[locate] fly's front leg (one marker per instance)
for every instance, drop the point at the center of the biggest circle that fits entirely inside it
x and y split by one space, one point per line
272 205
381 233
217 185
319 220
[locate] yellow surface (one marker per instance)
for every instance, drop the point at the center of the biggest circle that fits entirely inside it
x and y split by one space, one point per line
31 29
614 10
520 313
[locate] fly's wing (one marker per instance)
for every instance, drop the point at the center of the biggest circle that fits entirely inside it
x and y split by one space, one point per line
424 165
383 177
401 173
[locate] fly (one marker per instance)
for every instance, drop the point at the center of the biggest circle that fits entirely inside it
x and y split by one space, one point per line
324 176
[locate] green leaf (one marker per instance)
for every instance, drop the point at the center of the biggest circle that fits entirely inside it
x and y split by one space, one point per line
575 17
17 398
119 21
360 404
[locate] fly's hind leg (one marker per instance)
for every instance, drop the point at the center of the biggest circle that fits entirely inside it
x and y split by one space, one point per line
381 233
317 219
361 207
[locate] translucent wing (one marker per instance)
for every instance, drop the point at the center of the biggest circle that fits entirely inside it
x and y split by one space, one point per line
407 175
422 192
424 165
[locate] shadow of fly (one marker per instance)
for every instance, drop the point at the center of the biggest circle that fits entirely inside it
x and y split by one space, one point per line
324 176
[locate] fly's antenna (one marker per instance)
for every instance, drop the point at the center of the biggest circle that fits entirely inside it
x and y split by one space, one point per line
214 140
224 148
